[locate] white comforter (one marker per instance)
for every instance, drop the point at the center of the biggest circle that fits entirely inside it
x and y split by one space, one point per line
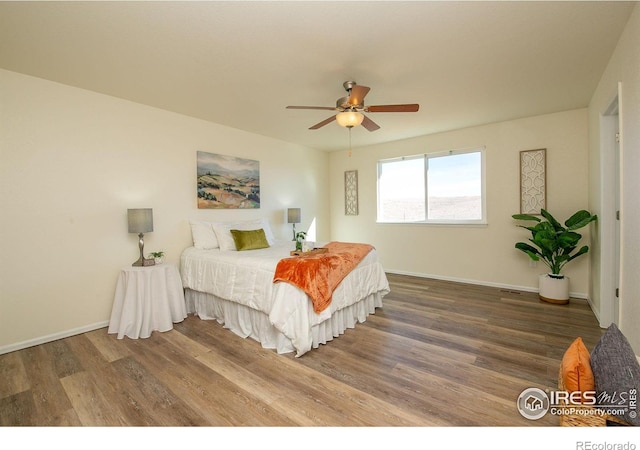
246 278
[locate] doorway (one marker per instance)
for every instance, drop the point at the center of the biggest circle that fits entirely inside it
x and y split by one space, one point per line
611 215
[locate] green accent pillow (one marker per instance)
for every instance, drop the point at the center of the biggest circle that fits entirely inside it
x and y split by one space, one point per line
249 239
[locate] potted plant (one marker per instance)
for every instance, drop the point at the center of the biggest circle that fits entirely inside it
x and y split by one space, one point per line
300 236
555 245
157 256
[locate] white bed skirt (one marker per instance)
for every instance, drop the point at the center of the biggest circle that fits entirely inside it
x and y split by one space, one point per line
247 322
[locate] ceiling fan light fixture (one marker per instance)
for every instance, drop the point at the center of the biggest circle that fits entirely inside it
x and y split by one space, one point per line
349 119
350 108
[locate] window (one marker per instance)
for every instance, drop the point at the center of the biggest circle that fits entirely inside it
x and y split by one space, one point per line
443 187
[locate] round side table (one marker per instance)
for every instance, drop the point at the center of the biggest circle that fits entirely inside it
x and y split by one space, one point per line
147 299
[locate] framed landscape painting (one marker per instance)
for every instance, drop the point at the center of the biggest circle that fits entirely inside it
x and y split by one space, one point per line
227 182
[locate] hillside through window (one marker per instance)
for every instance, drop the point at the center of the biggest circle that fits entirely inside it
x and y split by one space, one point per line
432 188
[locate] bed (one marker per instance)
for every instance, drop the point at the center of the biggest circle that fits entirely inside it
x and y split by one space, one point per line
237 289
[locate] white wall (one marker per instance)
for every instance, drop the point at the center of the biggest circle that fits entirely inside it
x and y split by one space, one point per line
479 254
72 162
623 70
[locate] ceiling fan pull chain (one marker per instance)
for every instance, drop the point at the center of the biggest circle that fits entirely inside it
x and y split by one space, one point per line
350 141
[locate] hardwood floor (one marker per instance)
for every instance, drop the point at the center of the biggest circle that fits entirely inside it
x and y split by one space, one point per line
437 354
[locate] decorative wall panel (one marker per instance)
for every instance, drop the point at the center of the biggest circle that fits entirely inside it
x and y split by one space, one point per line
351 193
533 181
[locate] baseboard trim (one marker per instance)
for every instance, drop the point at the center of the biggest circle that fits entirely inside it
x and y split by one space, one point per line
595 311
63 334
480 283
51 337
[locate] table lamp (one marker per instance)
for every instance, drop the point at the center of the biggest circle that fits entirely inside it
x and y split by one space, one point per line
140 221
293 216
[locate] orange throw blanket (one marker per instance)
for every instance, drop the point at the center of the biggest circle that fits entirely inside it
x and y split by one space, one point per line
318 275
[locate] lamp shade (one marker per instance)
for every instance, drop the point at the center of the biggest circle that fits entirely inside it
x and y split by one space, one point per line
140 220
349 118
293 215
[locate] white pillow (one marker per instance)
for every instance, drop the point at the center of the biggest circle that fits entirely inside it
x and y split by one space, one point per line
267 231
203 236
225 238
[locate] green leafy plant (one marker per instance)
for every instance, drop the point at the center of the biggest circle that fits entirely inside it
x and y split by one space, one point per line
157 254
300 236
554 244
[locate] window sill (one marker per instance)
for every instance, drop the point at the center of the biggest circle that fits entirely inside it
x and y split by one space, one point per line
439 224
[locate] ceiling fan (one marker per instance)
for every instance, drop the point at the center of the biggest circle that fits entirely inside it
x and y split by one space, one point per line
350 109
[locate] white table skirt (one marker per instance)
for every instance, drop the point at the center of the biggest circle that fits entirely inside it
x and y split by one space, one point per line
147 299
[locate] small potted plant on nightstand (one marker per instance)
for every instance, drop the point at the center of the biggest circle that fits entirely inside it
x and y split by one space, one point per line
300 236
554 245
157 256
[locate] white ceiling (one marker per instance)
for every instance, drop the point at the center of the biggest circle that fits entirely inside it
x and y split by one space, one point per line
241 63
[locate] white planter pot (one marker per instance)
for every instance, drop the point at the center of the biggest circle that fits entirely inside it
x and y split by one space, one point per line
554 290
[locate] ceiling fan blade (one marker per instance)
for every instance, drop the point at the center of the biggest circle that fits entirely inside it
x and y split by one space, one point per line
356 97
323 123
369 124
393 108
325 108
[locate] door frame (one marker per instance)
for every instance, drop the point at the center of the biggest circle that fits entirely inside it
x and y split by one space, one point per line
609 225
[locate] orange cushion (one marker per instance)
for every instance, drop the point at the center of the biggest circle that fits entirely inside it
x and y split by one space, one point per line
576 368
